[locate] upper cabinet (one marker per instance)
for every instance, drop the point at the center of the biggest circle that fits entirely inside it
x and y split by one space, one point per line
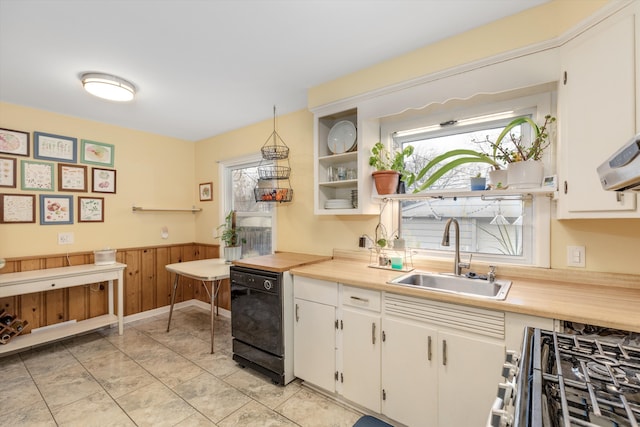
598 112
342 176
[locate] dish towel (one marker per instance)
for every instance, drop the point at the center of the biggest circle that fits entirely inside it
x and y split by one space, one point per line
369 421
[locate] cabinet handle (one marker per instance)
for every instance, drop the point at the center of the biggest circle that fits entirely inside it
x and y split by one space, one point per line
564 78
444 352
297 316
429 348
566 187
365 300
373 333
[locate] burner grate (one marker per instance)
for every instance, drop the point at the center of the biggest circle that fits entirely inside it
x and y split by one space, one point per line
586 382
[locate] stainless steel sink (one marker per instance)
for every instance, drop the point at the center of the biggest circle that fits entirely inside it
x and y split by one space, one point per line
442 282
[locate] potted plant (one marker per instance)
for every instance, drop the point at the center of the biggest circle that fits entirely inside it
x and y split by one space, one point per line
389 167
230 237
478 182
523 161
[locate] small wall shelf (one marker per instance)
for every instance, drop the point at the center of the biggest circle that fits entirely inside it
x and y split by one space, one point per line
141 209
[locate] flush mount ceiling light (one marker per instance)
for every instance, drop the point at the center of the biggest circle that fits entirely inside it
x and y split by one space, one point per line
108 87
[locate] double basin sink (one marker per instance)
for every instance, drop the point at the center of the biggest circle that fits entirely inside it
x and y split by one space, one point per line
442 282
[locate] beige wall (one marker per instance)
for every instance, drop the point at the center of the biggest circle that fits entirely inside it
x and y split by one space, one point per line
532 26
152 171
298 228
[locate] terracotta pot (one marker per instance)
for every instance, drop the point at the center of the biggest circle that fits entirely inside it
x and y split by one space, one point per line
386 181
525 174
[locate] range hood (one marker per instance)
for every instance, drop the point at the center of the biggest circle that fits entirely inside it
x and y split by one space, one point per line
621 171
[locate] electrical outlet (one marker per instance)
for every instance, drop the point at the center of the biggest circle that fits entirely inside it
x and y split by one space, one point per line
65 238
576 256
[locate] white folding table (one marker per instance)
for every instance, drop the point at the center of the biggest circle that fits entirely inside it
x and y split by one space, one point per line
206 270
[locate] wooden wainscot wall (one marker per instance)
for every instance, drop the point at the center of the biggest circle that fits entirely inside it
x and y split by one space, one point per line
147 284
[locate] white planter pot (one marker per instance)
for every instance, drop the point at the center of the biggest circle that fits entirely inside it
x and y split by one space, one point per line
499 179
527 174
232 253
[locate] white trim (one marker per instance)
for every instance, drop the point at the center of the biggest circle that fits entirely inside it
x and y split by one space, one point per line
224 178
177 306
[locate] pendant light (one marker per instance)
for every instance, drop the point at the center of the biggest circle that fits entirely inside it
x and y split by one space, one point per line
108 87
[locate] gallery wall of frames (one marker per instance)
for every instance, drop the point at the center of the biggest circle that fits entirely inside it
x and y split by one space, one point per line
61 179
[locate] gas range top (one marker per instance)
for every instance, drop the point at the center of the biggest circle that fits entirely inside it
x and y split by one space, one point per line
582 381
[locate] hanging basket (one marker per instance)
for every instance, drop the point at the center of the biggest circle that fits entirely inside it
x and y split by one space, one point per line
273 194
275 152
274 172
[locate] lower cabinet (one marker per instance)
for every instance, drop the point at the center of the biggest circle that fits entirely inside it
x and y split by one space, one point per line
409 374
360 346
314 331
419 362
428 373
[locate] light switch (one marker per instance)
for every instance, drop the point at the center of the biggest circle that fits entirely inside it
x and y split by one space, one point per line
576 256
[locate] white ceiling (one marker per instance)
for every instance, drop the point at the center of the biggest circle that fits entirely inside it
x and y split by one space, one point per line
204 67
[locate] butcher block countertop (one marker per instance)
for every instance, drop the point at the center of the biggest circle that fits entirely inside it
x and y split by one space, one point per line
280 261
602 304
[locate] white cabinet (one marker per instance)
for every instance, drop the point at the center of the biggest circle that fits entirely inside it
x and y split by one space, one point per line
314 331
598 99
354 183
409 374
469 368
360 349
437 356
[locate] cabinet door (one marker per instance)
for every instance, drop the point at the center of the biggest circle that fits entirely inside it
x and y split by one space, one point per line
361 358
468 374
409 373
314 346
597 115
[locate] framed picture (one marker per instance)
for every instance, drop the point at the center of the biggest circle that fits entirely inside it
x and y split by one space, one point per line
17 208
56 209
72 177
90 209
36 175
104 180
206 191
55 147
14 142
7 172
97 153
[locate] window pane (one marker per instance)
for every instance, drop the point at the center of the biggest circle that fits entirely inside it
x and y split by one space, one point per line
486 226
254 219
427 148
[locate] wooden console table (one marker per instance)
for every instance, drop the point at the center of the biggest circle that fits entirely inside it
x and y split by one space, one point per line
26 282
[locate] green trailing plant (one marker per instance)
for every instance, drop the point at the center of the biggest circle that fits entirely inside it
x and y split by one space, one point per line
459 157
230 233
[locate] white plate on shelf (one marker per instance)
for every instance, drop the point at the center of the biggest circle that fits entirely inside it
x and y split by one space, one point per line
342 137
338 204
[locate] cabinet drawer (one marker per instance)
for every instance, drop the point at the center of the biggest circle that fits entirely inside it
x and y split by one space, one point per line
315 290
361 298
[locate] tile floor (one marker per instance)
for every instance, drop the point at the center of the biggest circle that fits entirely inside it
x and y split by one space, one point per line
148 377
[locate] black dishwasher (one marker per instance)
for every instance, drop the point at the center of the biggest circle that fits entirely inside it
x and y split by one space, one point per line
259 321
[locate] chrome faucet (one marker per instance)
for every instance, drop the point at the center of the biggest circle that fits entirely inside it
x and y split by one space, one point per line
457 265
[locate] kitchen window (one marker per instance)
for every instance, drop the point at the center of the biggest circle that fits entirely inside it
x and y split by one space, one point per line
256 220
495 228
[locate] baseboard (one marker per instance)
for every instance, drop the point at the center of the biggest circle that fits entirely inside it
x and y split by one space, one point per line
177 306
